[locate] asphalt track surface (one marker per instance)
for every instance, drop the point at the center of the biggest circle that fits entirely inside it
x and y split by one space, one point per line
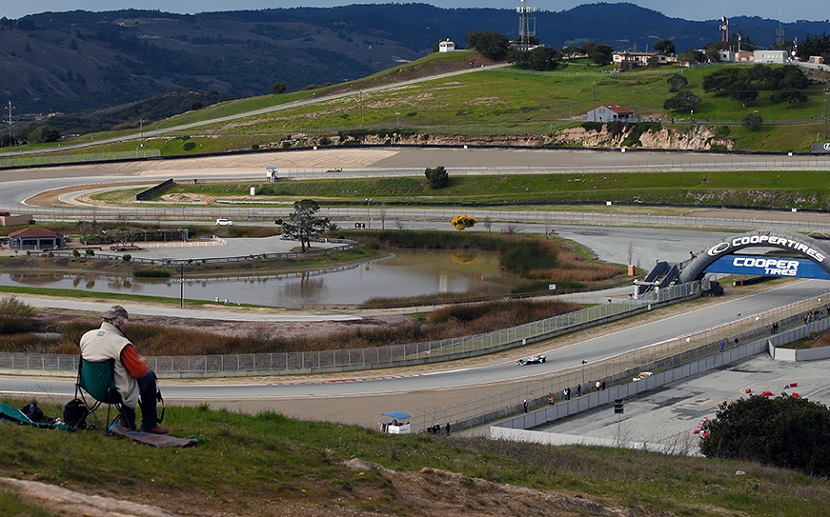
422 392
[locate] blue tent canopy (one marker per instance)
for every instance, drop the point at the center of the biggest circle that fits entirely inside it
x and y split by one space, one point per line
400 415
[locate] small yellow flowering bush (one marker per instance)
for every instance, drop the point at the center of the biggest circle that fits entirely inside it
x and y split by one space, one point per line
462 222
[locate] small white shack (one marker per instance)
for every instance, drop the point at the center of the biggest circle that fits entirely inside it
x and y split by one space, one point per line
446 46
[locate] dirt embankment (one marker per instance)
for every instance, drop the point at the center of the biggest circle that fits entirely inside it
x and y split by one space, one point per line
690 138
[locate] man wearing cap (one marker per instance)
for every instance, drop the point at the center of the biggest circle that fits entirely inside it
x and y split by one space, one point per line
132 377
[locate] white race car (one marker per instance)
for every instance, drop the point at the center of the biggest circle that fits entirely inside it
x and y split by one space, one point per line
534 359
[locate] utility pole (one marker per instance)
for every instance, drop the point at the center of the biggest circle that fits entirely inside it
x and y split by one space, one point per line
594 84
826 93
360 106
141 133
9 121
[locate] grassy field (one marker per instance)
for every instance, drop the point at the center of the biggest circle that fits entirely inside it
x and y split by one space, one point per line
783 190
250 465
487 102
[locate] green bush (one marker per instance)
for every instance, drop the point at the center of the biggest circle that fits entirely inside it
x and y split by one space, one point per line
786 431
15 316
437 177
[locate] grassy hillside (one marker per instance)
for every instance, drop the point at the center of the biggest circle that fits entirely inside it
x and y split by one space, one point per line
503 101
253 465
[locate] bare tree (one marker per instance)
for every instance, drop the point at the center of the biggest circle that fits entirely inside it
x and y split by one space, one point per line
488 223
382 214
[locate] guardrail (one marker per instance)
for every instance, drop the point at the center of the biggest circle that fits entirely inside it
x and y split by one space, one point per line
347 245
621 368
399 216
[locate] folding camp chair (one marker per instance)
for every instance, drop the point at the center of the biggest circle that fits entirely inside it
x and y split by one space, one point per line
95 387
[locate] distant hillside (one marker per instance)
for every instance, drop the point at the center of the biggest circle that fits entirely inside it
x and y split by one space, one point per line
78 60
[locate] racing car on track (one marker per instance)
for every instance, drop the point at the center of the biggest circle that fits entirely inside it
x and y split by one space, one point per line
534 359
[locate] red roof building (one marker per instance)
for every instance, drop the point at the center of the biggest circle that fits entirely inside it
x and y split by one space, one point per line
610 113
35 238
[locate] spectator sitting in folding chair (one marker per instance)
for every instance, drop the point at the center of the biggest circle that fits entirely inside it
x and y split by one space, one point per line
132 377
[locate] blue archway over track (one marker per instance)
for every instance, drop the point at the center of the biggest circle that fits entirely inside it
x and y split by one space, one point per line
808 247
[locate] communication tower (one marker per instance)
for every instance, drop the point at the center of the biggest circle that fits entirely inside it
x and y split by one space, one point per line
527 25
724 29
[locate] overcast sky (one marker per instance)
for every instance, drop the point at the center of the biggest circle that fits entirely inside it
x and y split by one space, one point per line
691 10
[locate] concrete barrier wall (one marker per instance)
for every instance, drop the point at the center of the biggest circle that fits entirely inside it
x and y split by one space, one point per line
807 354
594 400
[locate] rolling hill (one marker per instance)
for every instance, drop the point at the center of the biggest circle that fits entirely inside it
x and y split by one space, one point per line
59 62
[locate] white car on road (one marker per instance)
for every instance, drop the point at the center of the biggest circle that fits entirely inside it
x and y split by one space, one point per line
224 222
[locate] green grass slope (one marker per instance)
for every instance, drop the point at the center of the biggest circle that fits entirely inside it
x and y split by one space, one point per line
267 463
806 190
501 101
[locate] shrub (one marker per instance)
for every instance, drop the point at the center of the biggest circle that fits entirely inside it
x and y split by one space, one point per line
462 222
683 101
15 316
753 121
786 431
437 177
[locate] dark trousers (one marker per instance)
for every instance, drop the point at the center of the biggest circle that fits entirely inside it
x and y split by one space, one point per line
148 391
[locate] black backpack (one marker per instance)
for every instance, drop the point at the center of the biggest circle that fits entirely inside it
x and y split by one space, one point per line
34 413
75 413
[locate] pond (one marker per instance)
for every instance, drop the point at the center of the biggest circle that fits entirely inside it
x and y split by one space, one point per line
408 273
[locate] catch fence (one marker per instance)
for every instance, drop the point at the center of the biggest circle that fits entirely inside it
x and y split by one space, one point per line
322 361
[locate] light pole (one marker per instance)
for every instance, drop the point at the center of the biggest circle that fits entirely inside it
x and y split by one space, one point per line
398 117
584 362
368 214
826 93
141 133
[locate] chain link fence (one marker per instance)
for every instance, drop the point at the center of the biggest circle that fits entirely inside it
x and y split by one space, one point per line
291 363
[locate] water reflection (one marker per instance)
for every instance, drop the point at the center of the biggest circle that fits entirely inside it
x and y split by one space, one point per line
409 273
